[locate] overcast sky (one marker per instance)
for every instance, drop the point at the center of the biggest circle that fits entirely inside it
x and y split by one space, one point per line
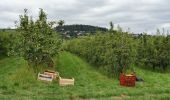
138 15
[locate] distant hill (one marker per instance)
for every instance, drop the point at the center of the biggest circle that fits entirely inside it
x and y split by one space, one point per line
7 30
78 30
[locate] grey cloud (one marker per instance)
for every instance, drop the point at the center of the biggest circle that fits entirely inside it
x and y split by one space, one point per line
139 15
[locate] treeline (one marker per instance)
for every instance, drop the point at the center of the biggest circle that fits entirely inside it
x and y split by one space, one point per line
7 42
115 51
71 31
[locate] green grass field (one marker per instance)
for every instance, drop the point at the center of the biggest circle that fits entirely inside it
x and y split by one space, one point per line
17 82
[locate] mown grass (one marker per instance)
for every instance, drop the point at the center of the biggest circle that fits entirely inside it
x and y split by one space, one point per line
18 82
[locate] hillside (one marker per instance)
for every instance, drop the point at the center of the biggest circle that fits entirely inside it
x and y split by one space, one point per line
19 83
70 31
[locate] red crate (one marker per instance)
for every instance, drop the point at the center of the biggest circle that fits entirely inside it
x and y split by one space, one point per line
127 80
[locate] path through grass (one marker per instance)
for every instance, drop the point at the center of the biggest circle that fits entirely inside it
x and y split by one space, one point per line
19 83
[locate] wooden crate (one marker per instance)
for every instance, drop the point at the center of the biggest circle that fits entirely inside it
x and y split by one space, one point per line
44 77
53 74
66 82
51 71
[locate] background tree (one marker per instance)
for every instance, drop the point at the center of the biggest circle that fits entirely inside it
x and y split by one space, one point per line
111 26
158 32
119 29
61 22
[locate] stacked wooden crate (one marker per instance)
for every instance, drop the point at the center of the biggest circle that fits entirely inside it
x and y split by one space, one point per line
50 75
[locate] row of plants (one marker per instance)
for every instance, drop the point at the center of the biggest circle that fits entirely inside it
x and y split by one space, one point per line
112 52
154 51
116 51
6 42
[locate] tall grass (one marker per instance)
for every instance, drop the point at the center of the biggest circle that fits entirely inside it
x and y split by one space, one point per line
17 82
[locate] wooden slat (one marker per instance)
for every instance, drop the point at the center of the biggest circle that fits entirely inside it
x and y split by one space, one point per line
44 77
65 82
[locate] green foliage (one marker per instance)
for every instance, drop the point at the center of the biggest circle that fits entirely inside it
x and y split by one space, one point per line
7 42
37 40
154 51
1 46
115 50
19 83
61 22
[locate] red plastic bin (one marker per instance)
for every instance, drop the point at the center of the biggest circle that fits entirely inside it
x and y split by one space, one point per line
127 80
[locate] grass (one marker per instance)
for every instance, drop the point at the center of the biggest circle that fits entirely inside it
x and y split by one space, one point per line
17 82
